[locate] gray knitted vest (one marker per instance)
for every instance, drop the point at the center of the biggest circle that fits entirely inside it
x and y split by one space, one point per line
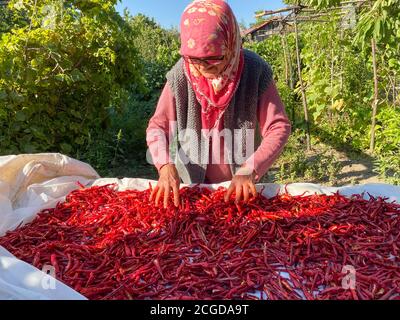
191 155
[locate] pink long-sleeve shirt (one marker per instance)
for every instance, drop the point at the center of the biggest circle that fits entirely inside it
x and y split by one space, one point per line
273 123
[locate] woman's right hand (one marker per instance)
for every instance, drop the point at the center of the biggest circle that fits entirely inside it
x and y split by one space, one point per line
169 179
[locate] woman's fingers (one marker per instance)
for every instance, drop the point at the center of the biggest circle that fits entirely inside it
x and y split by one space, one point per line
242 190
175 188
239 188
159 194
253 189
246 192
154 192
163 192
229 192
167 191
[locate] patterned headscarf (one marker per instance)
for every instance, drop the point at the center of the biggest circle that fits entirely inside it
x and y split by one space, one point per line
209 29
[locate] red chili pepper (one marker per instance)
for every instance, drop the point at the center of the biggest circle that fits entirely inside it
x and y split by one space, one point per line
118 245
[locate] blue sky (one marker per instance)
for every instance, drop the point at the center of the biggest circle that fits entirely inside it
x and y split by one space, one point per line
168 12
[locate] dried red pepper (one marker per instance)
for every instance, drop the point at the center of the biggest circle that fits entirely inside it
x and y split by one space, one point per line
118 245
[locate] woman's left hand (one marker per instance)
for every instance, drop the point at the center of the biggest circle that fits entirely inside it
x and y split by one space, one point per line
243 185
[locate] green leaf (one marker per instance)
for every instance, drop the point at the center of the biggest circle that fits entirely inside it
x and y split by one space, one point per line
60 77
66 148
393 63
76 114
20 116
16 97
29 148
76 75
3 95
80 140
34 64
377 29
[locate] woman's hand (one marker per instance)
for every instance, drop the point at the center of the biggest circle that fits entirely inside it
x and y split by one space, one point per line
243 185
169 179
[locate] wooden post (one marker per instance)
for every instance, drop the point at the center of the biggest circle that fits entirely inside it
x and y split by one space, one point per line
303 92
289 77
375 102
341 55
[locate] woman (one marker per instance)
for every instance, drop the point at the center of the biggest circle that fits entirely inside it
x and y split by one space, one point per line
217 87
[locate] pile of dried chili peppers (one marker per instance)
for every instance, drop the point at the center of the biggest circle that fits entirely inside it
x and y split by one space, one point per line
117 245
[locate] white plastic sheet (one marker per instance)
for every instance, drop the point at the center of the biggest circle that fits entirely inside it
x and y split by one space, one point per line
31 183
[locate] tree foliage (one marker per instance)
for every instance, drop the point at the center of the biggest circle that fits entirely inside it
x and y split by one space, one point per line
125 140
158 48
10 18
338 74
319 4
61 72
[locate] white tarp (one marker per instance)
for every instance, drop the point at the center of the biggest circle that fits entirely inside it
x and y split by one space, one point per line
31 183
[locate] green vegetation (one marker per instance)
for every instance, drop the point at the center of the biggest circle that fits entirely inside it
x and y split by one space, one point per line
121 149
337 69
77 78
60 76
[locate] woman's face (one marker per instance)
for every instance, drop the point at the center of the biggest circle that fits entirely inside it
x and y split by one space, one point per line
210 70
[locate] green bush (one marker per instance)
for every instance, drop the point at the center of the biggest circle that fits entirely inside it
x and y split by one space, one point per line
10 18
121 149
272 51
297 165
62 73
388 143
158 49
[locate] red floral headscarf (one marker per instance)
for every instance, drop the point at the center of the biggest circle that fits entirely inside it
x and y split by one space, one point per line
209 29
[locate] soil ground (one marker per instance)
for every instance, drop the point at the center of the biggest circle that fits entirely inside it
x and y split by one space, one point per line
355 167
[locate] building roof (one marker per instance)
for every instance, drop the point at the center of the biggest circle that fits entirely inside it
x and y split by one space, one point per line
259 26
